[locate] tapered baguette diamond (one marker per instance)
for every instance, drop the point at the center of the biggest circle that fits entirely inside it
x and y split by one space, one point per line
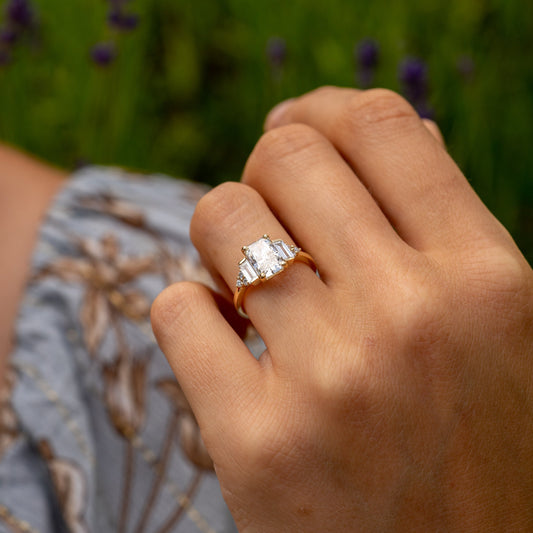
283 250
247 274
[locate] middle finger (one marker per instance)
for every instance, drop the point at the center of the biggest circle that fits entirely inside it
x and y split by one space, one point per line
316 195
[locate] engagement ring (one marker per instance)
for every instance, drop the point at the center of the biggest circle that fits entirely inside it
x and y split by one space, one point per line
263 260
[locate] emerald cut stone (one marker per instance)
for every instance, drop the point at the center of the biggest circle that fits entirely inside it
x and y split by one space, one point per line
265 258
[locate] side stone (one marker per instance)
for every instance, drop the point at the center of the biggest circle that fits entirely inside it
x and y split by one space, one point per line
249 275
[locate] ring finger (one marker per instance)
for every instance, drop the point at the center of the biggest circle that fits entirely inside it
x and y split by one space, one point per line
234 215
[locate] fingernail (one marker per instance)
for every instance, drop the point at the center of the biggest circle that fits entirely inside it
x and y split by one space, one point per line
276 114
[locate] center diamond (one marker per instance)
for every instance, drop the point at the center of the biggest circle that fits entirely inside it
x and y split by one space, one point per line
265 258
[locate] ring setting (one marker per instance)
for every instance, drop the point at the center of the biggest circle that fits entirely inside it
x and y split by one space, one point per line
264 259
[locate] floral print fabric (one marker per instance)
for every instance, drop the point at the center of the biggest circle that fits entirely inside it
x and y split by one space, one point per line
95 432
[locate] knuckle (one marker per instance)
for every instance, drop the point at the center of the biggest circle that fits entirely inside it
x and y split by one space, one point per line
341 391
425 327
281 144
174 305
380 109
271 437
324 90
419 311
269 451
434 129
501 279
223 206
343 384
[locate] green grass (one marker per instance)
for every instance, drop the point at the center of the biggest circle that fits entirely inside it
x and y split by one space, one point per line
191 85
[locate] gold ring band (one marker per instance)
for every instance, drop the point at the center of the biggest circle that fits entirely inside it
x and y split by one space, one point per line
263 260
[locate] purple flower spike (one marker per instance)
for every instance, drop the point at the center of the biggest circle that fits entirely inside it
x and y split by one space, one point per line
8 36
20 13
413 74
367 54
122 21
277 51
103 54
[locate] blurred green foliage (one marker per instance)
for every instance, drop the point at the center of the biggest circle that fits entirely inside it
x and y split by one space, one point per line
190 87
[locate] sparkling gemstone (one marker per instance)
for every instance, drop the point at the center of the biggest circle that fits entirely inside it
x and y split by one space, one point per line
249 275
264 257
283 250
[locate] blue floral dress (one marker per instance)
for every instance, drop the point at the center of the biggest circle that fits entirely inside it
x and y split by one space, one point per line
95 432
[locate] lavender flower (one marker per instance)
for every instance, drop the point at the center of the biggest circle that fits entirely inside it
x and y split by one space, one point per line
276 52
20 20
122 21
8 36
20 13
103 54
366 55
413 75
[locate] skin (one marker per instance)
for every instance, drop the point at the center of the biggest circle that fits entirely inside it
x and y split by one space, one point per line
26 189
395 393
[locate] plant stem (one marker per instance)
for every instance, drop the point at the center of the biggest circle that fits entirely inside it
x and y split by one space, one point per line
160 472
176 515
128 477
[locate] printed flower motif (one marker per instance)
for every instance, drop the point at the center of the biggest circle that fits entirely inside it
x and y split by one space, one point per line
190 439
184 268
70 488
9 430
106 274
121 210
125 394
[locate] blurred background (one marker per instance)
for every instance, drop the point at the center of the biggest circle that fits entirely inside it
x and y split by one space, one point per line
182 87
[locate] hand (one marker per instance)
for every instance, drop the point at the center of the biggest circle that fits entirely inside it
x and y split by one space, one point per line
395 393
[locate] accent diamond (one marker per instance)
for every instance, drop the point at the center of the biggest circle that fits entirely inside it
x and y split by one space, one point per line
283 250
246 273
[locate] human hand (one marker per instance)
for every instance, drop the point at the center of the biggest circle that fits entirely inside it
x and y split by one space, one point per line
395 393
